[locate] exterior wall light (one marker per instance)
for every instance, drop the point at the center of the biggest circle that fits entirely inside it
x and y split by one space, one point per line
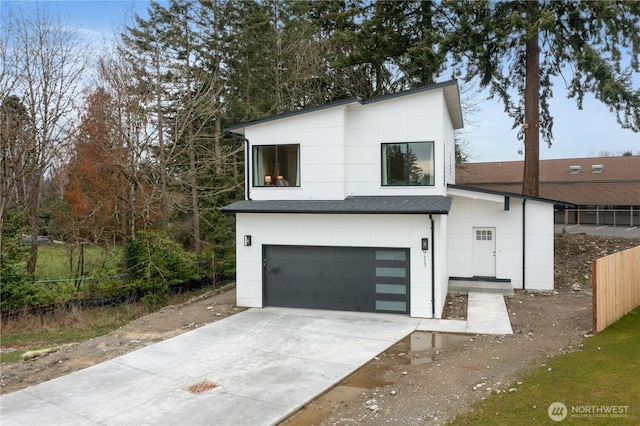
247 240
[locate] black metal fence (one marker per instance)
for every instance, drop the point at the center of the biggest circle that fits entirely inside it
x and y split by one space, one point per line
599 216
89 295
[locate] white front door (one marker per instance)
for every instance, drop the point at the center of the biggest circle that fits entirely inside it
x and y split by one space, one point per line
484 252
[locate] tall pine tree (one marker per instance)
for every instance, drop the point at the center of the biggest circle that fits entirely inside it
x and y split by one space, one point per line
518 47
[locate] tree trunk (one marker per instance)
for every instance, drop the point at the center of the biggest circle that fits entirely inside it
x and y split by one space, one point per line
193 170
217 140
133 191
34 215
193 176
164 199
530 182
217 144
195 204
124 228
2 208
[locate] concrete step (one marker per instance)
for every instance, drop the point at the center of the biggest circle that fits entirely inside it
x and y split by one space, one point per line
465 286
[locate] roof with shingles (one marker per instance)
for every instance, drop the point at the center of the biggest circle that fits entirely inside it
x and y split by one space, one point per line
435 204
617 184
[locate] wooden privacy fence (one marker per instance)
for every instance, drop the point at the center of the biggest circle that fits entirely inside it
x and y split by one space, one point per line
616 287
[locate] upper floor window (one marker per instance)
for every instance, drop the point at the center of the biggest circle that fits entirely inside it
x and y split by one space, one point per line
407 164
276 165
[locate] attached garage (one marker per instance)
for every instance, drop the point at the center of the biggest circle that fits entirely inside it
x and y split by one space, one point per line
362 279
365 254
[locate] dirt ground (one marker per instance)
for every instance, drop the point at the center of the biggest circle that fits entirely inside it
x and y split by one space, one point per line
427 378
168 322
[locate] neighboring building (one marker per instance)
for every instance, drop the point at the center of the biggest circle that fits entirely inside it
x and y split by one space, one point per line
353 206
604 190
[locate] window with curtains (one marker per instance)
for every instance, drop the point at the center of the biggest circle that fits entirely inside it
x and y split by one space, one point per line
408 164
276 165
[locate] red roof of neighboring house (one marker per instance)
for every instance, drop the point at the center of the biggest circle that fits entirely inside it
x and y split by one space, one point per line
571 179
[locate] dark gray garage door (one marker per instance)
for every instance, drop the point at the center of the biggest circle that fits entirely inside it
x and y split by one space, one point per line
338 278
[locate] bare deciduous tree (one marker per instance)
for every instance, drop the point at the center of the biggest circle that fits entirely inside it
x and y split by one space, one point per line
46 60
133 138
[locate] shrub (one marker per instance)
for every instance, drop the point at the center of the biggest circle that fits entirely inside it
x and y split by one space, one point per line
155 263
155 299
153 254
17 289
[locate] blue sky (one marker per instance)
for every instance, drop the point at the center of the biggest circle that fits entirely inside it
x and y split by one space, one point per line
576 133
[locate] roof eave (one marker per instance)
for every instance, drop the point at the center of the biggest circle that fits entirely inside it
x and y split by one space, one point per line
239 127
350 205
285 211
510 194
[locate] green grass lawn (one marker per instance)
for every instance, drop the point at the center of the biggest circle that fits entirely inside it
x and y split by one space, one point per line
599 385
60 261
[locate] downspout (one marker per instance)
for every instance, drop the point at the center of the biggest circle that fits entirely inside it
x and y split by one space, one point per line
433 268
524 236
247 169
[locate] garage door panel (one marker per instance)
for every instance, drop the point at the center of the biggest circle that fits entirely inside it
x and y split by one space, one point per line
392 280
341 278
392 306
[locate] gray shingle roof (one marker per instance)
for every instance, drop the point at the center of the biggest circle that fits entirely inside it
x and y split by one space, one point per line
617 184
435 204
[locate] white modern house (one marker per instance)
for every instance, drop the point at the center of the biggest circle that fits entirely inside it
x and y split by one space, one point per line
353 206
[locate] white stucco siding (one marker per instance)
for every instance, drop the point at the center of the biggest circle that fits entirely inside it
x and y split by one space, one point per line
411 118
509 242
248 263
539 242
398 231
468 213
404 119
362 154
449 161
320 135
442 266
340 147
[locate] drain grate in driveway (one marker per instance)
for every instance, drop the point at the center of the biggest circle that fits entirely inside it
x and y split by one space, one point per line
202 386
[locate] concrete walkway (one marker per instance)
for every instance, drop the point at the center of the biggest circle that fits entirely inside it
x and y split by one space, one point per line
486 314
253 368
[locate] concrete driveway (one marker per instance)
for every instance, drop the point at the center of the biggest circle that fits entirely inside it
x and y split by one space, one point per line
253 368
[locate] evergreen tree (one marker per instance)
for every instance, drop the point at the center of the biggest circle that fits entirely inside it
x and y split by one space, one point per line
144 48
424 58
518 47
246 25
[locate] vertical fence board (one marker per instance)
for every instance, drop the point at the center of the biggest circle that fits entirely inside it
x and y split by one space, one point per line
616 287
595 288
